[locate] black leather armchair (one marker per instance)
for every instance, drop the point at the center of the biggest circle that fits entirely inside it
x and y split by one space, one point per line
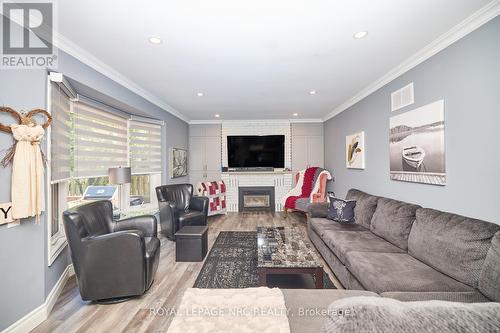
113 260
178 208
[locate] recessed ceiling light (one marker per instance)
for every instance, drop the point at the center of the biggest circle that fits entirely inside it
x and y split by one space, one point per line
295 114
217 115
312 92
360 34
200 94
154 40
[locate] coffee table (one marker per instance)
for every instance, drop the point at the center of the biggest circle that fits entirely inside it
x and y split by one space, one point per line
285 250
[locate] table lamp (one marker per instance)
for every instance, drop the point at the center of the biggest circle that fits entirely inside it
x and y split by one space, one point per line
120 176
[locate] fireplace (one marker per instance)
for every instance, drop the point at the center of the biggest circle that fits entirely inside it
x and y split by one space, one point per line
256 198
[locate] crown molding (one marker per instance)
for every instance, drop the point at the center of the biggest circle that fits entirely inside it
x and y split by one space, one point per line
87 58
471 23
204 122
212 121
306 120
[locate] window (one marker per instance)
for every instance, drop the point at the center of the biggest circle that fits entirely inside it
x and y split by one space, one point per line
145 160
100 141
60 162
87 138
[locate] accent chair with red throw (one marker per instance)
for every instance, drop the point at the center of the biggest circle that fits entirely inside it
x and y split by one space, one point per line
310 188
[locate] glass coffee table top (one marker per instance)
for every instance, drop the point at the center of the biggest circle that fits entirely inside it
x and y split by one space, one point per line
285 247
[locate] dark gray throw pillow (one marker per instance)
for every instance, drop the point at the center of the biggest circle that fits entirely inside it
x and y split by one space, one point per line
341 211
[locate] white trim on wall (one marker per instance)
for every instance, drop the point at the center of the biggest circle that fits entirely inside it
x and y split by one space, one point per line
41 313
220 121
471 23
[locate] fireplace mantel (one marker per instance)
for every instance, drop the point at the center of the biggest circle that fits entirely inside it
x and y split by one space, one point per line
281 181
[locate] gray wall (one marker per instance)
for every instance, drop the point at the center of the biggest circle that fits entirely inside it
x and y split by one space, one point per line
25 278
467 76
22 252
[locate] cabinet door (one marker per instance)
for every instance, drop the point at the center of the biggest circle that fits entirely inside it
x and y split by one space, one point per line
213 153
197 153
195 177
299 153
212 175
196 130
315 151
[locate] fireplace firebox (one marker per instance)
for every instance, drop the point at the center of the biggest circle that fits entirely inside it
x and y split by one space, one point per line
256 198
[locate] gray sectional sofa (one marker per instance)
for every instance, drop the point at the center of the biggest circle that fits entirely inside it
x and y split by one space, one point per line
403 251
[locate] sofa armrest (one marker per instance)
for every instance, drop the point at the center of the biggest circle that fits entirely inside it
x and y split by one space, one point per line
145 223
319 209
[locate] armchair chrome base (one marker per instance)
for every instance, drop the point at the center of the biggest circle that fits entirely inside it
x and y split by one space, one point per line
113 300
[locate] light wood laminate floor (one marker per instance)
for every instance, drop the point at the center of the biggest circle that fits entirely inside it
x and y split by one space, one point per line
71 314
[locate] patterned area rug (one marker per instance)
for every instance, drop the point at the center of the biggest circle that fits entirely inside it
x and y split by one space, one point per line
232 263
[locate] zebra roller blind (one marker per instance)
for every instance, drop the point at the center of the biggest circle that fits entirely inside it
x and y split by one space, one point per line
60 157
145 147
100 141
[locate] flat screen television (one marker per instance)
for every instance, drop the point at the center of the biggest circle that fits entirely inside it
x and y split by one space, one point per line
252 151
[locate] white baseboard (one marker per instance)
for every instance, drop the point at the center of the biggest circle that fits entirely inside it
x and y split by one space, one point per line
38 315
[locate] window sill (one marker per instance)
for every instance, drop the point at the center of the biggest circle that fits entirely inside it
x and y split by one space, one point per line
56 248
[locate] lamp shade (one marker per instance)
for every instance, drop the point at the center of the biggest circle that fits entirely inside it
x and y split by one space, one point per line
118 176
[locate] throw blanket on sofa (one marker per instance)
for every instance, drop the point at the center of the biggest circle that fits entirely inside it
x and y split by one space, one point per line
231 310
385 315
307 185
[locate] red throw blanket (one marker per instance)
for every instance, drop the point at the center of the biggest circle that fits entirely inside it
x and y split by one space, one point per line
307 187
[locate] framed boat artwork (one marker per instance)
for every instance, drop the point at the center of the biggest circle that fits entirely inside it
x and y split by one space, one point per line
417 149
355 151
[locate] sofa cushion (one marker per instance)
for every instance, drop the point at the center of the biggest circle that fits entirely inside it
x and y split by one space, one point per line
365 206
454 245
392 221
450 296
342 242
343 276
377 315
320 225
382 272
307 308
489 280
318 209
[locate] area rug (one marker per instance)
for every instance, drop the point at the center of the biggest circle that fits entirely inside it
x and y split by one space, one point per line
232 263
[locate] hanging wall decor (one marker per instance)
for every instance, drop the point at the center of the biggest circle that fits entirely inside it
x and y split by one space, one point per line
178 162
6 213
355 151
27 189
417 150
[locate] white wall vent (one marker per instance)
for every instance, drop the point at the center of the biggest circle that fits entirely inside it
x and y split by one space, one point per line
402 97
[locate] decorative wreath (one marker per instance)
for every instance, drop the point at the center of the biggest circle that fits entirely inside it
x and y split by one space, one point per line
22 119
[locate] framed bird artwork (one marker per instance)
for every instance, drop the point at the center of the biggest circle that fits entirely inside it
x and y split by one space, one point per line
355 151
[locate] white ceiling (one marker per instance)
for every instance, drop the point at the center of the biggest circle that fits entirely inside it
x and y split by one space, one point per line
256 59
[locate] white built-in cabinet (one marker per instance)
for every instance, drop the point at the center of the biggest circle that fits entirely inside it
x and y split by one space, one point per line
204 152
307 146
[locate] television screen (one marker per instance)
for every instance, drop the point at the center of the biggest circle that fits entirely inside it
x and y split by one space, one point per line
256 151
